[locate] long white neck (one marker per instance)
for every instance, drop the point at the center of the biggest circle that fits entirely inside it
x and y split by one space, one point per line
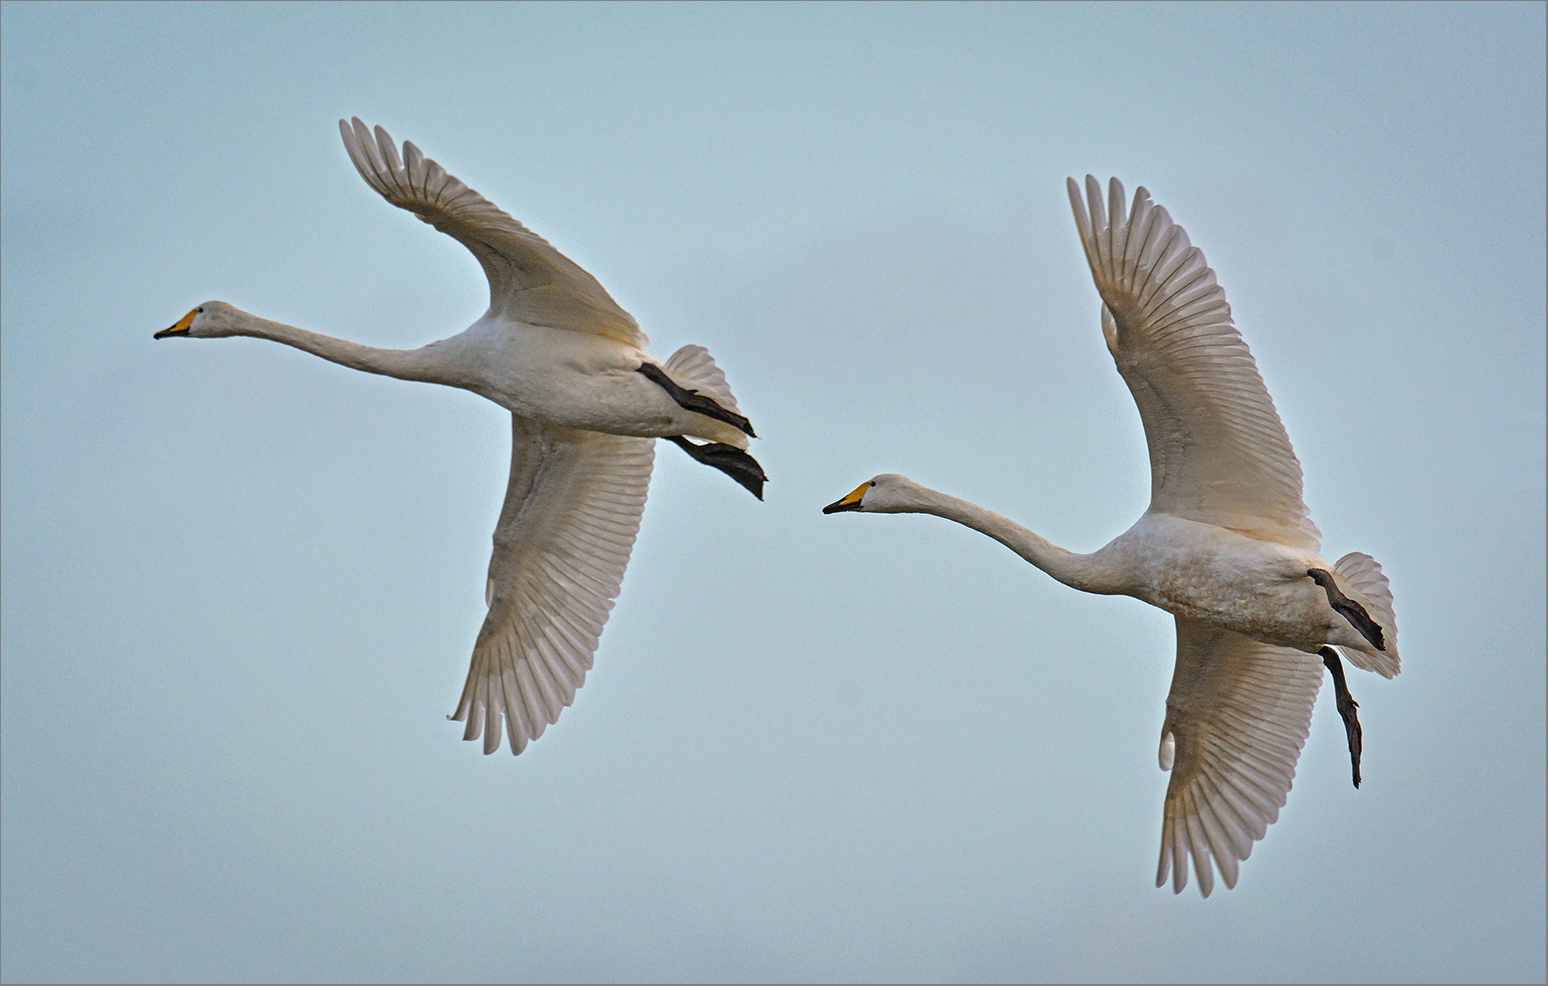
1084 572
405 364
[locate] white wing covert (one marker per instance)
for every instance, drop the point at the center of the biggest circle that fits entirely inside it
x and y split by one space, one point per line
1236 718
571 515
529 280
1218 451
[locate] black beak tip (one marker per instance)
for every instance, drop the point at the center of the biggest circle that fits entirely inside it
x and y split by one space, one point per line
839 506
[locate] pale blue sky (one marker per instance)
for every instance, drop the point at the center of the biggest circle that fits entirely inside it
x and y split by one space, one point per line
240 585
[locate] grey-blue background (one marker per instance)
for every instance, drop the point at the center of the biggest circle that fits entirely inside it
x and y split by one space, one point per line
240 585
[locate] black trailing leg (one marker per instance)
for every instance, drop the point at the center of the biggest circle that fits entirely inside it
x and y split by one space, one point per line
696 402
728 459
1346 707
1349 609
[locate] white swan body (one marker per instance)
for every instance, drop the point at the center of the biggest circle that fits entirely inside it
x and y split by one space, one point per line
586 400
1226 545
1227 579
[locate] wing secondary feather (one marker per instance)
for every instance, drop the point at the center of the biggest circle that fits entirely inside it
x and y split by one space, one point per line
571 514
1237 716
529 280
1218 451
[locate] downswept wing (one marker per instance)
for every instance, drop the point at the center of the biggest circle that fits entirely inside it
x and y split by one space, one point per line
1236 717
529 280
571 514
1218 451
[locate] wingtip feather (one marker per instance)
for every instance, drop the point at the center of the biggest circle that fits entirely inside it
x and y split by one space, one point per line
1095 205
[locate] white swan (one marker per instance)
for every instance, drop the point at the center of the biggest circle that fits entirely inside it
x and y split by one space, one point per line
1226 545
586 402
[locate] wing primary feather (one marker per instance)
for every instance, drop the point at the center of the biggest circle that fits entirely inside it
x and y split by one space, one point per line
530 701
1139 239
1197 847
480 707
1115 232
1098 210
1179 855
369 151
1082 219
1220 848
389 152
1121 207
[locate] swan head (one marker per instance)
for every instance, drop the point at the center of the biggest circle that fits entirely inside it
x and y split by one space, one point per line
211 320
888 493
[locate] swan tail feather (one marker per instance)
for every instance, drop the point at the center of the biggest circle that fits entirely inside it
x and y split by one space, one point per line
1360 576
693 368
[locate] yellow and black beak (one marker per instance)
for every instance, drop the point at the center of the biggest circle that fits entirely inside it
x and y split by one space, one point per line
181 328
850 502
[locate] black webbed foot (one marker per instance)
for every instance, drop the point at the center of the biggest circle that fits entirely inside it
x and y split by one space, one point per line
728 459
1349 609
1347 707
696 402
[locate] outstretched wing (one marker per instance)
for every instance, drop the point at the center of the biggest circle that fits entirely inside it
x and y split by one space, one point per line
529 280
1218 451
571 514
1236 719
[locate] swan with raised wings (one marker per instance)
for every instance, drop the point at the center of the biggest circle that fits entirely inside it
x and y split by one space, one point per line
586 401
1226 545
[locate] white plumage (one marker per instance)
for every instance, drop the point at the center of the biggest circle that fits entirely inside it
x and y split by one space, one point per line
1226 544
586 404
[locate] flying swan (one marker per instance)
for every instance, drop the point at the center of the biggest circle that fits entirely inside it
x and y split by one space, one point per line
1226 545
586 404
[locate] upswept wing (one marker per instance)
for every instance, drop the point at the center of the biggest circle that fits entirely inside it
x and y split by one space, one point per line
529 280
1236 719
1218 451
571 514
